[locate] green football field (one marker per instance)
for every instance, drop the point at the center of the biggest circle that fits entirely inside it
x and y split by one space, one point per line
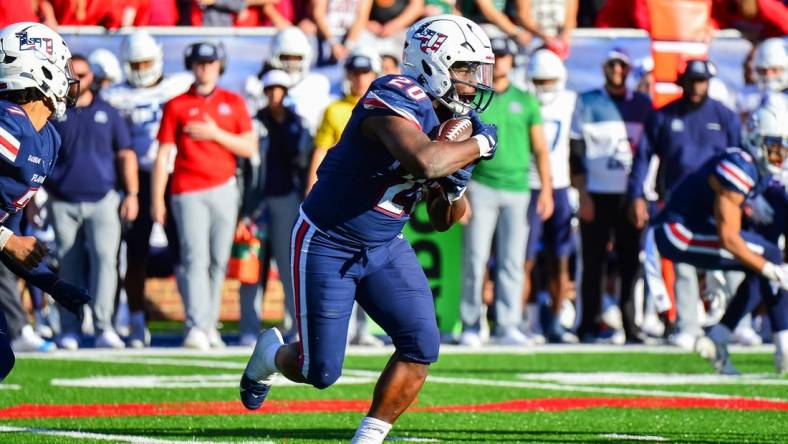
555 395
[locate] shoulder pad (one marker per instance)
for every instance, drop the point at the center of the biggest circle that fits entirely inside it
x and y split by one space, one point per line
399 95
736 170
13 130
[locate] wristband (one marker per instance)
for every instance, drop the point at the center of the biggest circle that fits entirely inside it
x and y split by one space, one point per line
484 144
5 234
454 197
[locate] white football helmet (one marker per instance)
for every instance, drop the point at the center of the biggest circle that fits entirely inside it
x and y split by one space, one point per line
546 65
293 42
140 46
766 131
771 54
105 65
434 44
32 55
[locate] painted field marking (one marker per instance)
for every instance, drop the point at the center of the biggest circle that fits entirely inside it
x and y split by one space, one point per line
181 381
623 378
411 439
107 437
634 437
10 386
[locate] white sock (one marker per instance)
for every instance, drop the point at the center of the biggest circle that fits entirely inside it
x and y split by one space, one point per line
371 431
780 340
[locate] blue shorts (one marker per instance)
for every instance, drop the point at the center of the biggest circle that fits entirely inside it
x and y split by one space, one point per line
554 235
702 248
386 280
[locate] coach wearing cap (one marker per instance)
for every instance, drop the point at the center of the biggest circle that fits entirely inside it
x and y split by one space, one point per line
684 134
210 128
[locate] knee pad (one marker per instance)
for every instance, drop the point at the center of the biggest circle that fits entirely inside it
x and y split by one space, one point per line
7 358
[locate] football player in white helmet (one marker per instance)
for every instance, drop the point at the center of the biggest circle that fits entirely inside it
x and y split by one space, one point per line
140 100
765 134
546 77
771 65
105 68
386 143
36 84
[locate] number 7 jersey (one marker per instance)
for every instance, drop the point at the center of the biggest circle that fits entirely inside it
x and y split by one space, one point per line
362 196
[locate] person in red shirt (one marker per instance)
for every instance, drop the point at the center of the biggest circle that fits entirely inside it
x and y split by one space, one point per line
210 127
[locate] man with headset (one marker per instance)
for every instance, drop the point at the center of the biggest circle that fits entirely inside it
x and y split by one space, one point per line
209 126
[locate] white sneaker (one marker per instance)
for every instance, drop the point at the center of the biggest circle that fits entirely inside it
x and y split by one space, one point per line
470 339
512 337
535 338
746 336
705 348
29 341
684 341
247 340
109 339
196 339
215 339
69 341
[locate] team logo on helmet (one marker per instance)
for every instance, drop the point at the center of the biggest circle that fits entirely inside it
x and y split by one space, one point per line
431 41
34 43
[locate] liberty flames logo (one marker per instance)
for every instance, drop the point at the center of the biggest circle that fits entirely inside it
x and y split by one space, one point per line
431 41
34 43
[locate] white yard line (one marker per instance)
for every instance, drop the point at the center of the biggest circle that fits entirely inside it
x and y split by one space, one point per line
659 379
625 437
182 381
107 437
10 387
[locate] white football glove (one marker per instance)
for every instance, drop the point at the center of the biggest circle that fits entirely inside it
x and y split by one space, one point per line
776 273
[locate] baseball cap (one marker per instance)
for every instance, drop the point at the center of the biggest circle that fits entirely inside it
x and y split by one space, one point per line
276 77
618 53
358 62
503 46
204 52
697 69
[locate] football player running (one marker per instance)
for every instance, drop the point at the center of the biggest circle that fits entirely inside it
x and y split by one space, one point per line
701 225
347 243
36 84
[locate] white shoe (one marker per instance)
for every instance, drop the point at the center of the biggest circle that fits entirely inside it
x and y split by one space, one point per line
705 348
746 336
69 341
470 339
535 338
215 339
512 337
247 340
196 339
367 340
29 341
684 341
109 339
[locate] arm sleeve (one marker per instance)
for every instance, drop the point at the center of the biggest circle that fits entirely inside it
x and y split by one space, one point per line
40 276
642 159
169 124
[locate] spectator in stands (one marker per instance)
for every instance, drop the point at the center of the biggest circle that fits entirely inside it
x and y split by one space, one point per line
215 12
273 186
362 67
277 13
14 11
339 26
550 20
209 126
389 64
755 19
587 12
683 134
499 195
437 7
546 76
388 19
95 155
606 127
86 13
494 12
140 100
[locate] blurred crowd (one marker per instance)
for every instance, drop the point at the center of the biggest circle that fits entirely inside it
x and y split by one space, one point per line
161 173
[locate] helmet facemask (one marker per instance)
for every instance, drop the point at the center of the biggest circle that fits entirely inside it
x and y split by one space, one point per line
469 75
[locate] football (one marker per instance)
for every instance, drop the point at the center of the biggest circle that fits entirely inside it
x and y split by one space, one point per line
455 129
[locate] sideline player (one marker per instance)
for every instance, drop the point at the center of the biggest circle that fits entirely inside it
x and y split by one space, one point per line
35 85
701 225
347 243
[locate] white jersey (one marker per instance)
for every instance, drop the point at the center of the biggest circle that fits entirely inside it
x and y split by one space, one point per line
309 99
142 108
556 121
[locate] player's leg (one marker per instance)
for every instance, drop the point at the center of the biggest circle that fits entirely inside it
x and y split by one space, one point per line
102 236
478 236
510 258
324 284
284 211
627 244
7 359
137 246
594 236
557 241
398 297
222 202
532 322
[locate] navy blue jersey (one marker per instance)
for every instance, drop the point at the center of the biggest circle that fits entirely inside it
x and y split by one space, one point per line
692 202
27 157
362 196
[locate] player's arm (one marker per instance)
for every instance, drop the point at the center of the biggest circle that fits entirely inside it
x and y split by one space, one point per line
129 208
728 215
420 156
444 213
544 206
